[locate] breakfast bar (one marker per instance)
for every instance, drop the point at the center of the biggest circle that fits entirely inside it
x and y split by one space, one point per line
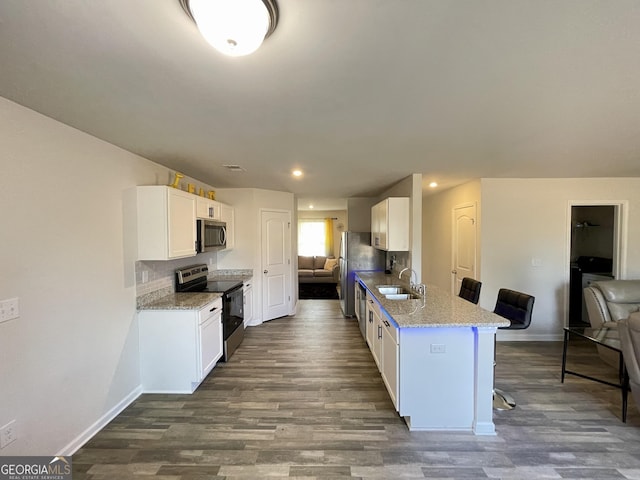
435 352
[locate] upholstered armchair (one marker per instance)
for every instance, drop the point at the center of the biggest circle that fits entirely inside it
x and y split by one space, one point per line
629 330
608 302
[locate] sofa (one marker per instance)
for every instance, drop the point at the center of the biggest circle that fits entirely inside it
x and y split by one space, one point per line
317 269
629 330
608 302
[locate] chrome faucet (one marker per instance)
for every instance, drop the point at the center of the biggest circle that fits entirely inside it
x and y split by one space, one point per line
410 275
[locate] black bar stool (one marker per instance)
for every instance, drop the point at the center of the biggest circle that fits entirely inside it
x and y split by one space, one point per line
470 290
517 308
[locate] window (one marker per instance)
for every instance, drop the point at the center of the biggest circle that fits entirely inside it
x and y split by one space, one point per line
312 237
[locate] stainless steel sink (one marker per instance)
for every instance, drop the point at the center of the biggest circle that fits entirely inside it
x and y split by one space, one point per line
401 296
396 292
390 289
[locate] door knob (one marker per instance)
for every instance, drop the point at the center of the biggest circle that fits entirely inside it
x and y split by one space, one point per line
265 272
455 272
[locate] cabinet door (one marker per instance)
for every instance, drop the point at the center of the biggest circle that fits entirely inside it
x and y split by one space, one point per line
227 215
390 356
248 303
357 298
370 324
377 340
397 224
208 209
210 343
374 329
202 208
383 224
375 226
181 224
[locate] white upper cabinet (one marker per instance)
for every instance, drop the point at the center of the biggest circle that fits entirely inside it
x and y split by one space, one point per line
390 224
208 209
166 222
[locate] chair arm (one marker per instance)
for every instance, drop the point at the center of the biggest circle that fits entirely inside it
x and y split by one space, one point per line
596 307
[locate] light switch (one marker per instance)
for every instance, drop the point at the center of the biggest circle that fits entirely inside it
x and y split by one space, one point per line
9 309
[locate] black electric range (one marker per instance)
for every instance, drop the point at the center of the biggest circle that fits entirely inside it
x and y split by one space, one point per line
194 279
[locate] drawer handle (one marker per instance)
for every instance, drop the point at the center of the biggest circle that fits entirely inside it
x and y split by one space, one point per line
214 308
387 323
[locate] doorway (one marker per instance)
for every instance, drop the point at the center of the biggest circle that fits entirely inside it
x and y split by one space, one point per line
594 251
276 263
464 251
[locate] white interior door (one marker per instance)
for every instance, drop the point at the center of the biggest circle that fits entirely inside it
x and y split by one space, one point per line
276 264
464 245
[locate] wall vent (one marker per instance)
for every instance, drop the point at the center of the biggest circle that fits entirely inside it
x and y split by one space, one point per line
234 168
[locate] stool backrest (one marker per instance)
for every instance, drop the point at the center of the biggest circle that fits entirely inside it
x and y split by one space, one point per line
515 307
470 290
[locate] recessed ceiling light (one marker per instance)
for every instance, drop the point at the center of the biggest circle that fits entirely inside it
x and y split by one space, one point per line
433 184
311 206
297 173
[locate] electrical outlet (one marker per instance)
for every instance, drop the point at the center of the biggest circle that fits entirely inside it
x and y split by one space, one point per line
8 434
438 348
9 309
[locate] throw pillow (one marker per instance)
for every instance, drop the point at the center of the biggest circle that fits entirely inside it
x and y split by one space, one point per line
330 263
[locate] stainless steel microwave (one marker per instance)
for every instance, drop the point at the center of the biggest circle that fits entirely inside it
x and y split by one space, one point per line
212 235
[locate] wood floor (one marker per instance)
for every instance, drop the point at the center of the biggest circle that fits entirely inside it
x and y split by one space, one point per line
302 398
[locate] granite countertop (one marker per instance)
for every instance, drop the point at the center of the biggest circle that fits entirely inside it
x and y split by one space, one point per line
441 309
181 301
239 275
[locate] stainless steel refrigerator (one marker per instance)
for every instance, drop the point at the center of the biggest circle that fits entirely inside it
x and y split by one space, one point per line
356 254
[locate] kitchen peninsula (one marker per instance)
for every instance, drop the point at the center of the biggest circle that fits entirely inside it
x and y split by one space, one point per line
435 354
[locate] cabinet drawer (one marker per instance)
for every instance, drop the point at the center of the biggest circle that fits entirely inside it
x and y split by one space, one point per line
390 327
210 310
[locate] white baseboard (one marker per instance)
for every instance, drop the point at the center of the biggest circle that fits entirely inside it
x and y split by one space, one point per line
520 336
99 424
254 322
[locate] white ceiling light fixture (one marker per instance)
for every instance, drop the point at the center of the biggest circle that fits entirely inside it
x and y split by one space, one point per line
233 27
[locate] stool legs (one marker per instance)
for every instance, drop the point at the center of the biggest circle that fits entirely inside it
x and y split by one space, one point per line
502 400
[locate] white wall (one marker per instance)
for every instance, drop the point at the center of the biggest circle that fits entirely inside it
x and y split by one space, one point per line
247 253
71 359
359 213
437 231
523 219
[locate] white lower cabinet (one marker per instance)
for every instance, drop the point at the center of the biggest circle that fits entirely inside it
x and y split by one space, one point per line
247 293
178 348
390 359
373 328
382 338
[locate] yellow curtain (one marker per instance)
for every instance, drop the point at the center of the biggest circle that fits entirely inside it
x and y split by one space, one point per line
328 236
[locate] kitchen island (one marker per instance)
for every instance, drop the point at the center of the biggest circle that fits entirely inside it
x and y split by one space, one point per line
435 354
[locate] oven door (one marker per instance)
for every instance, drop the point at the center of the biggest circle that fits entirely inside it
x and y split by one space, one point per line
232 311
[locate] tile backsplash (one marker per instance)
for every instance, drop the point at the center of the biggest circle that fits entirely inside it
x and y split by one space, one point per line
155 276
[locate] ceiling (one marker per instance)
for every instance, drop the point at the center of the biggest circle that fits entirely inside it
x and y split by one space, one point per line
358 94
